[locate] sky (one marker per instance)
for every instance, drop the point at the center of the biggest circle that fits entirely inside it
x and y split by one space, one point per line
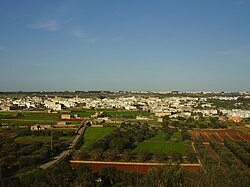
139 45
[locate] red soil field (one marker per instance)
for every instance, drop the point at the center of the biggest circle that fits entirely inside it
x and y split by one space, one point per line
220 134
141 168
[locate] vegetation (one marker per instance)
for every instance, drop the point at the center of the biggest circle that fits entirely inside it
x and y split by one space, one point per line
239 151
94 134
30 149
110 113
238 172
43 139
122 140
245 145
22 151
159 143
64 175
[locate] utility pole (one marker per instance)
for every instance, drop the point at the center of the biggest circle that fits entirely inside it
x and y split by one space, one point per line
51 139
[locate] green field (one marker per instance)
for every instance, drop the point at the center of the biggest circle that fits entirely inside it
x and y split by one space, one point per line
6 113
160 136
38 118
110 112
84 113
29 118
15 122
94 134
44 139
116 113
158 143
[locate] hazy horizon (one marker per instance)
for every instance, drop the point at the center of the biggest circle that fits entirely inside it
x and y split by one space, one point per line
125 45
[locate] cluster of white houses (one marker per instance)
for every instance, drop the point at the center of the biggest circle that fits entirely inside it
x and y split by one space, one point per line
171 106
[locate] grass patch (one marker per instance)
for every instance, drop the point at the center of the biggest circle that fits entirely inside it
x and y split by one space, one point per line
94 134
158 143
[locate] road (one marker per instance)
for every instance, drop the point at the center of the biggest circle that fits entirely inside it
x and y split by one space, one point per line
66 151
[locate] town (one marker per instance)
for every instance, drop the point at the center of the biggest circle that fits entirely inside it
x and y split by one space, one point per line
99 132
173 106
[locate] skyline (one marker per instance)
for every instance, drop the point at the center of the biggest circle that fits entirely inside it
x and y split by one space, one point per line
143 45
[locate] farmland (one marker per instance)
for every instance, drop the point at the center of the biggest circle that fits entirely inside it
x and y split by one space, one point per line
109 112
225 152
158 143
28 118
219 135
117 140
93 134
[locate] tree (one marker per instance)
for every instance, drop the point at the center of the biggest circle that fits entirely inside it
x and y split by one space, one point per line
84 154
143 156
117 143
164 176
26 161
159 156
185 135
62 175
165 120
127 155
129 178
191 157
85 177
97 153
111 154
176 156
109 175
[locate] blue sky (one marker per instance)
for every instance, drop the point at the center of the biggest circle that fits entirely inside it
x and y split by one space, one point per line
187 45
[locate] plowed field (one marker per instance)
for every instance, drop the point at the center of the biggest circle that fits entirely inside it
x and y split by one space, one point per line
220 135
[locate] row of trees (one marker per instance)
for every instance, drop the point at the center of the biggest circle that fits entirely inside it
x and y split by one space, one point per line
56 133
202 123
239 151
238 174
208 162
245 145
221 172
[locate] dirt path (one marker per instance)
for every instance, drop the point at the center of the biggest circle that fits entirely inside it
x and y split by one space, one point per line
66 151
229 136
219 137
199 161
242 137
